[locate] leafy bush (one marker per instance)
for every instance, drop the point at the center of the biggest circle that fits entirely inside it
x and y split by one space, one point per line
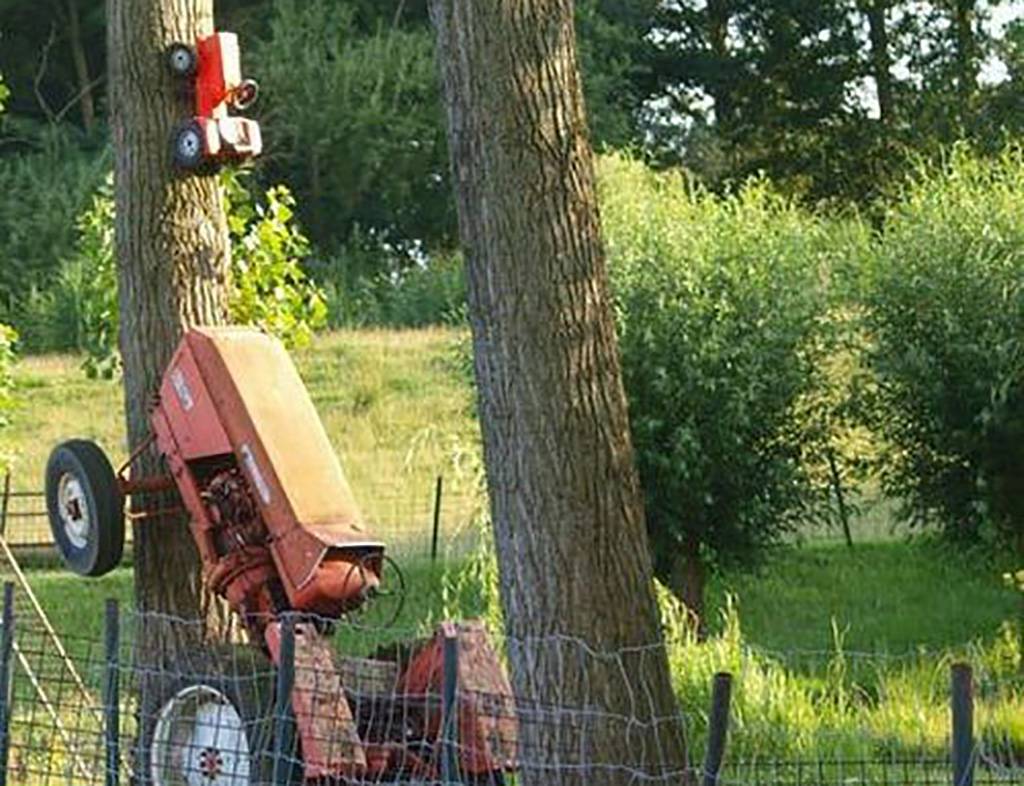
719 304
945 297
268 285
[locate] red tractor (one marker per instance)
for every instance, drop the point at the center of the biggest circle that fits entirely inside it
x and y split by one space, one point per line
211 71
279 533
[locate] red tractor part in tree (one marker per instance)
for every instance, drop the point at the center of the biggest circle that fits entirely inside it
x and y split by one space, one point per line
211 71
279 533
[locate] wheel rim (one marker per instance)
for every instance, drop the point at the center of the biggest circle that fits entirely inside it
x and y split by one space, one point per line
181 60
74 510
189 145
199 740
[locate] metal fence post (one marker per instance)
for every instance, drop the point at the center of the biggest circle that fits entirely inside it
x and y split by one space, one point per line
112 692
4 503
963 724
282 704
449 706
438 490
6 694
718 726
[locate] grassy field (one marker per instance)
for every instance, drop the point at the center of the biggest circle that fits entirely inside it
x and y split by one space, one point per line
888 597
835 650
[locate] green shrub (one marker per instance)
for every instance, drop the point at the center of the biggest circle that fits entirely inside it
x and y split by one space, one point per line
720 303
945 298
45 190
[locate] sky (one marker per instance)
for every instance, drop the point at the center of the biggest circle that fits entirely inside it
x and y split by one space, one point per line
993 70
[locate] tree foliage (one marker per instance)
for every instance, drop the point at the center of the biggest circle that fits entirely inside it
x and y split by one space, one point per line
268 285
54 179
355 127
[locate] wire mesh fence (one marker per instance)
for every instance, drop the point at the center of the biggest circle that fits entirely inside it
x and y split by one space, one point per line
437 519
326 702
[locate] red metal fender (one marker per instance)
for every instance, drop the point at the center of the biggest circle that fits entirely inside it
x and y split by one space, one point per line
488 731
331 746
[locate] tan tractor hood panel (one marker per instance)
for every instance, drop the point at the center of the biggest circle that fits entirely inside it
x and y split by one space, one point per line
280 443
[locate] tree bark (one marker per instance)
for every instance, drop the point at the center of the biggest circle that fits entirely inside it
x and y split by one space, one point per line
836 481
718 14
81 63
173 258
688 582
881 59
575 570
966 56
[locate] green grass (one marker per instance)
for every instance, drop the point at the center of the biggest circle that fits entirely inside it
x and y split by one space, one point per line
841 653
891 597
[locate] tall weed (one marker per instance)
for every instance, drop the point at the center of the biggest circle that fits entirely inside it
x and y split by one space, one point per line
7 358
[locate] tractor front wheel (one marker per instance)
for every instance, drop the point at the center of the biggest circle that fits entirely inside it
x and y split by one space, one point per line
85 507
188 148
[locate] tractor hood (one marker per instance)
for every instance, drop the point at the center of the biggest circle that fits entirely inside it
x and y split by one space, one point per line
279 440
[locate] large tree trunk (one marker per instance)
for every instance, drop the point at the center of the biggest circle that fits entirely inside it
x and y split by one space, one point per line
718 14
688 582
173 257
85 86
575 572
881 59
966 57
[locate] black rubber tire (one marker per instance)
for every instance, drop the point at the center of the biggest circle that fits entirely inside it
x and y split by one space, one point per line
247 683
187 148
182 60
492 778
85 462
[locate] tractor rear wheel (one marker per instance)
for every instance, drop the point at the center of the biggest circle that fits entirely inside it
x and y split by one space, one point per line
182 60
85 507
209 725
